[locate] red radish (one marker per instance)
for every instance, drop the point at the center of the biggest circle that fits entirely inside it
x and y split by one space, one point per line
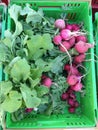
67 67
81 38
6 1
69 90
79 74
29 109
77 87
69 27
65 96
72 41
72 79
71 101
57 39
74 70
47 82
76 104
75 27
83 47
60 23
66 34
43 77
71 109
79 59
66 45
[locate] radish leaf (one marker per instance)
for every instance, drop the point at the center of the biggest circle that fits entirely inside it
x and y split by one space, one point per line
5 87
30 99
12 102
20 70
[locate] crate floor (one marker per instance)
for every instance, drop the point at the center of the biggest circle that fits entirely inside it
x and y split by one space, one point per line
94 128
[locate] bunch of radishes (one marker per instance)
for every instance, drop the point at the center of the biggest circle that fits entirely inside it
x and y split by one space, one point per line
71 37
70 97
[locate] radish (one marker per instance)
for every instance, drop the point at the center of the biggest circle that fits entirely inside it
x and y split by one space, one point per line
59 23
67 67
29 110
66 45
71 109
77 87
72 79
65 96
79 59
83 47
69 27
71 69
72 41
69 90
81 38
71 101
47 82
43 77
76 104
66 34
74 70
75 27
57 39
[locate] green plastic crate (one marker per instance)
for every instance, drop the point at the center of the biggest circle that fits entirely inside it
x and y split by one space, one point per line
96 51
3 21
76 12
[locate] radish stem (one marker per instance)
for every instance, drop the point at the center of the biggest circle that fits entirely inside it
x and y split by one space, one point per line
67 54
80 65
91 60
92 54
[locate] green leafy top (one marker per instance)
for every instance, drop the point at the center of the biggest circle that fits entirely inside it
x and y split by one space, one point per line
26 54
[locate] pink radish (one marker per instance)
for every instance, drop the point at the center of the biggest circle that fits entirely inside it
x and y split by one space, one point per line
71 101
29 110
57 39
67 67
43 77
59 23
65 96
75 27
79 59
74 70
77 87
83 47
72 80
47 82
72 41
69 27
66 45
76 104
69 91
81 38
71 109
66 34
